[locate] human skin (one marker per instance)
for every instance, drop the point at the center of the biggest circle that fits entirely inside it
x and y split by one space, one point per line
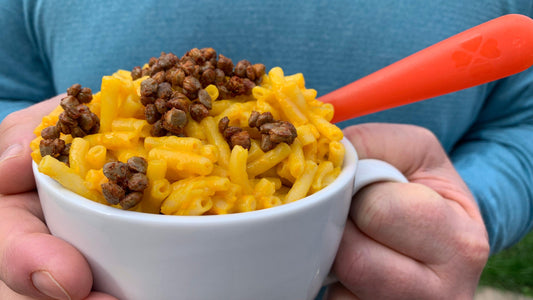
420 240
29 256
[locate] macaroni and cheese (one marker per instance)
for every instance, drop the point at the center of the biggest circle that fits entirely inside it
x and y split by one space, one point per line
194 132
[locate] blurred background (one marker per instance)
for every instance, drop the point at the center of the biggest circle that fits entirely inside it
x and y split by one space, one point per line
509 274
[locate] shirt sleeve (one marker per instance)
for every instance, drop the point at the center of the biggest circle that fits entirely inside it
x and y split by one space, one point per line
24 76
495 158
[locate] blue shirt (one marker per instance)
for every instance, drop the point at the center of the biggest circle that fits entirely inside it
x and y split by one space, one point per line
486 130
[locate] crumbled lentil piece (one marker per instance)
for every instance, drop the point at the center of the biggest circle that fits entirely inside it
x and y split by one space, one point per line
74 89
272 131
53 147
70 106
240 68
262 126
76 120
136 73
198 111
148 87
259 70
113 192
179 101
188 76
208 77
161 106
116 171
85 95
174 120
137 182
157 129
266 144
242 139
204 98
127 181
285 132
223 124
231 130
164 90
137 164
264 118
191 85
50 132
151 113
130 200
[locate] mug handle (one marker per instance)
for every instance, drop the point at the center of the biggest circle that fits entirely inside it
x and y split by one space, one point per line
373 170
370 171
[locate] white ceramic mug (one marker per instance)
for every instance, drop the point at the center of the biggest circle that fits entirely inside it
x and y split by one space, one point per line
284 252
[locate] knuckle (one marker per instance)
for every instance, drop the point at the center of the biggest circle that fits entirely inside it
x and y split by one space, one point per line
474 250
9 121
351 269
372 210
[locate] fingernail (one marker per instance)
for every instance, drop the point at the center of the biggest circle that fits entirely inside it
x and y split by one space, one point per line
11 152
46 284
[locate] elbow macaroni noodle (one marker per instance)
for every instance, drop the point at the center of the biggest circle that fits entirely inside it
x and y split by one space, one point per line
200 174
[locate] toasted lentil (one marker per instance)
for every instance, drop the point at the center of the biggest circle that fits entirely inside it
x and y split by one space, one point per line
157 129
272 131
116 171
85 95
205 98
161 106
151 113
174 120
198 111
127 181
74 89
242 139
50 132
149 87
136 73
137 182
53 147
137 164
223 124
76 120
113 192
130 200
187 77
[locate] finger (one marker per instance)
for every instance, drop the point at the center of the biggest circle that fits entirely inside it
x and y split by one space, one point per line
388 211
33 262
395 143
16 133
337 291
417 153
7 294
100 296
373 271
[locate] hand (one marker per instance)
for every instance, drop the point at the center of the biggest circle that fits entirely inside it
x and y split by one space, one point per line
419 240
33 263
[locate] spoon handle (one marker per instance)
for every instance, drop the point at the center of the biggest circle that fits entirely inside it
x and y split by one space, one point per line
490 51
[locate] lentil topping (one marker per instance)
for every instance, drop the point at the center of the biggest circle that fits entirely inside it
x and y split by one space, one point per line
76 120
173 91
127 182
176 86
272 132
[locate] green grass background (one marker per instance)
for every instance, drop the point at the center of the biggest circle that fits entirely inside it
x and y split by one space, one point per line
511 269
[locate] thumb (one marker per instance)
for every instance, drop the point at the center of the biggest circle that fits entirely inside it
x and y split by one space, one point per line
16 133
407 147
418 154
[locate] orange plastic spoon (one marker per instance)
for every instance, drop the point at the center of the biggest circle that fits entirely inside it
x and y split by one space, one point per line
493 50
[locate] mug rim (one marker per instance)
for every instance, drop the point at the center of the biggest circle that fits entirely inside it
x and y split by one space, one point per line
81 203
